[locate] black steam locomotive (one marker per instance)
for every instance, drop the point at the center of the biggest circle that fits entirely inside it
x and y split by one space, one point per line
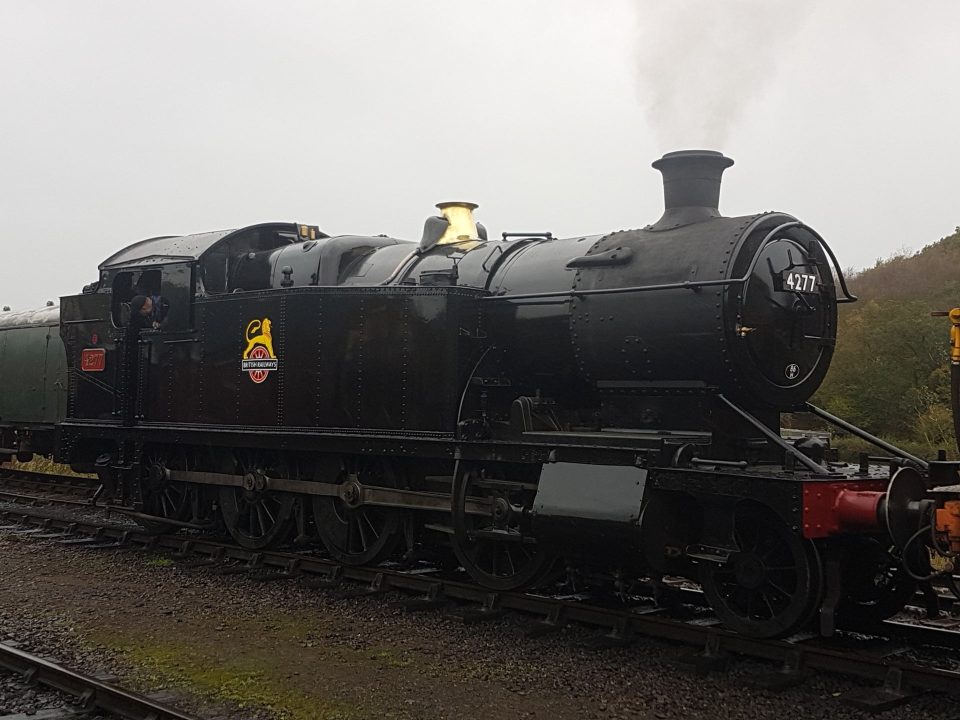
606 404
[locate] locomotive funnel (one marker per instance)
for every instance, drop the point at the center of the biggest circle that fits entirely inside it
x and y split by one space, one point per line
691 186
454 225
462 225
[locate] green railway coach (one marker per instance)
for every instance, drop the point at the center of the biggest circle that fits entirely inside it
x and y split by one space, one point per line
33 378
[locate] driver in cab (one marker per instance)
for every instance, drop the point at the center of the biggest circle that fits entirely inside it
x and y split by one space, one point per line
142 316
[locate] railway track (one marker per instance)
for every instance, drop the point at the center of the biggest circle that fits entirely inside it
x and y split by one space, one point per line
904 658
27 486
88 693
55 483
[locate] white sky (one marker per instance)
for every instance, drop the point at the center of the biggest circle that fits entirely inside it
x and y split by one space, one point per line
122 120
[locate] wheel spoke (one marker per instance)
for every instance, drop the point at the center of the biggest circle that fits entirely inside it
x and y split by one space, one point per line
769 605
362 533
779 589
261 519
366 518
509 554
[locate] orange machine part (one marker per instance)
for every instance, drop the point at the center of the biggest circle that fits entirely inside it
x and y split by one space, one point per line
948 523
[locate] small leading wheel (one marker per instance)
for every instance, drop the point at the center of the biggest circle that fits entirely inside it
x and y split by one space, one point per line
492 536
875 587
255 516
353 533
771 586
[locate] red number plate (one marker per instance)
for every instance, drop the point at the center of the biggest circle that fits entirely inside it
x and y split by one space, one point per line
93 360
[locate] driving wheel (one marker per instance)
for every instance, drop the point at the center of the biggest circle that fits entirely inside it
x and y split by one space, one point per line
256 516
354 533
161 497
492 535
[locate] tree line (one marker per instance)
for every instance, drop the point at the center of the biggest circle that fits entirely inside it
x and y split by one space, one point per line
890 372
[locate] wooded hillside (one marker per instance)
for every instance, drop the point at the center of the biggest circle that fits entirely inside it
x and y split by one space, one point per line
890 373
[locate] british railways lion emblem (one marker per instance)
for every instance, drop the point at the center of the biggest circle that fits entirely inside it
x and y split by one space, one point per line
258 357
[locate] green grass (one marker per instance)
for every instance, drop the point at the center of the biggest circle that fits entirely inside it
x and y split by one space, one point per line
251 680
45 465
160 562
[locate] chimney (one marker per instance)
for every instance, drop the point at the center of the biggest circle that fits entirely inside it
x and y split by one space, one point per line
455 224
691 186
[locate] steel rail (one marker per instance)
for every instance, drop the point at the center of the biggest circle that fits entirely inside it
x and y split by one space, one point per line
53 499
33 477
89 692
60 485
621 624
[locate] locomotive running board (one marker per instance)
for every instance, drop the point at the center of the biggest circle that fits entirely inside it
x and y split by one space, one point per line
352 492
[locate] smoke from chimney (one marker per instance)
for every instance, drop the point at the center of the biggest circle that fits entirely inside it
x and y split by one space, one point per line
702 62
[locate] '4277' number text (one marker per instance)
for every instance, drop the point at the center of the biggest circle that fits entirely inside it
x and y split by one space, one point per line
799 282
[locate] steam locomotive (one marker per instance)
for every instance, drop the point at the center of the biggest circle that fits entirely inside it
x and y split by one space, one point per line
603 405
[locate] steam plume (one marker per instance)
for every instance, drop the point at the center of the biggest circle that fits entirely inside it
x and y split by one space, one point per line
701 62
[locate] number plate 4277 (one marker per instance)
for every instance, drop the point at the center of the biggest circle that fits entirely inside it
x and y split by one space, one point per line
794 281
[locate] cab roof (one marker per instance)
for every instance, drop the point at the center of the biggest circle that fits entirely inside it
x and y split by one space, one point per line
166 248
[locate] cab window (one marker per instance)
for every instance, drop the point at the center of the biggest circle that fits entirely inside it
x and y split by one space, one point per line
173 283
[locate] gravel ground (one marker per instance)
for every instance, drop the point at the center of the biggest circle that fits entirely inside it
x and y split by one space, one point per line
232 647
79 513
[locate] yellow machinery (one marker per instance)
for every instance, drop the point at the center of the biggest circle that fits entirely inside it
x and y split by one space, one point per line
948 518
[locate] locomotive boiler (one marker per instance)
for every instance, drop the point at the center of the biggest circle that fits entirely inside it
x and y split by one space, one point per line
602 407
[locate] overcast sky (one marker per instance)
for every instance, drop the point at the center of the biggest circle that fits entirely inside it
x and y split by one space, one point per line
123 120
